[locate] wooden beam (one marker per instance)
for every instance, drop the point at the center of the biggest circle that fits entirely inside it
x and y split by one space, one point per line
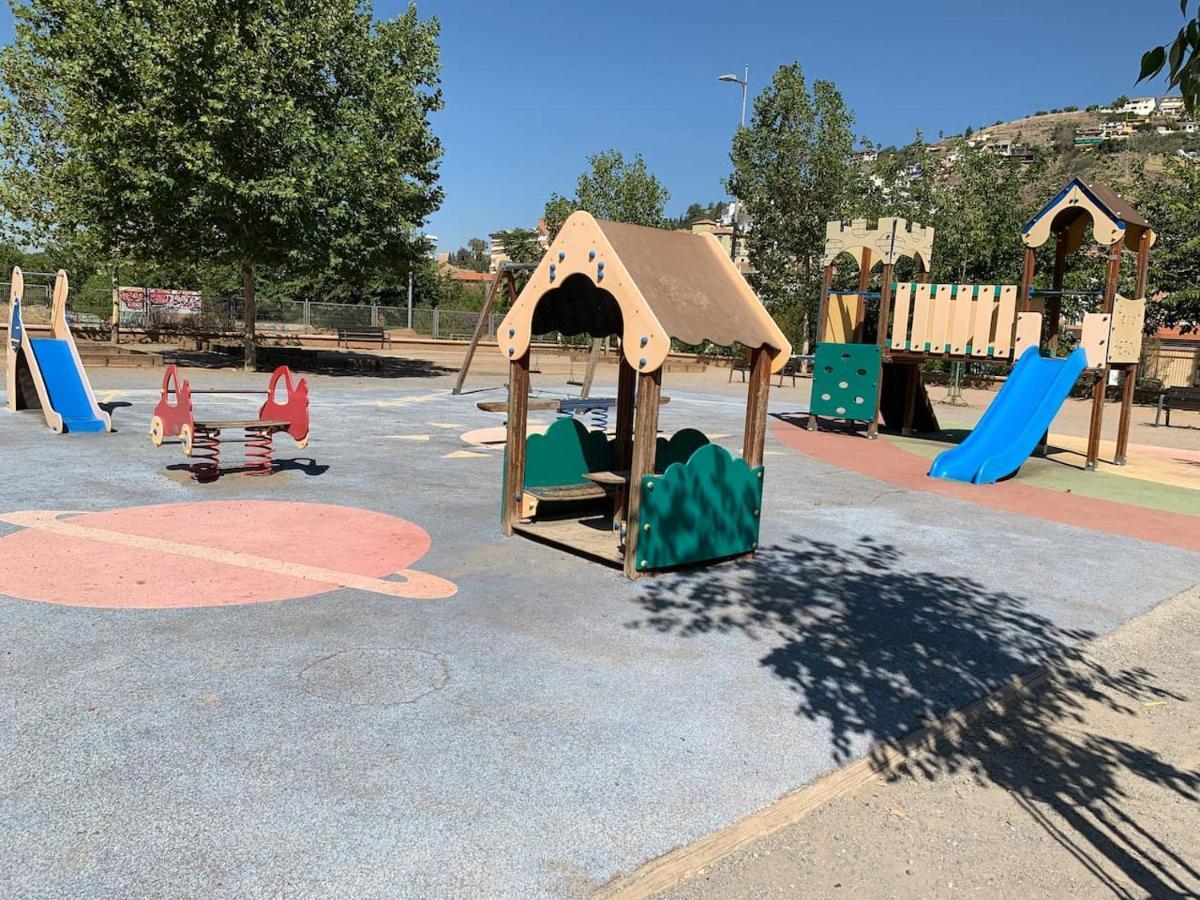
1129 385
864 283
1054 304
514 448
823 304
480 325
910 396
645 436
1111 279
1027 273
756 407
593 358
822 316
881 335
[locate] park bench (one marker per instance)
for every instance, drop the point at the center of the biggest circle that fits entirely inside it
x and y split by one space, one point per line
380 336
1176 398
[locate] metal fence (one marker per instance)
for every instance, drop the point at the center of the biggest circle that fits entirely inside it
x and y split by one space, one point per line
1173 366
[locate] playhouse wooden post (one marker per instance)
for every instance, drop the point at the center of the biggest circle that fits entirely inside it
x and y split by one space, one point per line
1129 384
756 407
514 448
885 303
645 436
1054 304
819 331
1111 278
623 437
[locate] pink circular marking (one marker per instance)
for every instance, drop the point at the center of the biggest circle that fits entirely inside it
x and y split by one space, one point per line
76 570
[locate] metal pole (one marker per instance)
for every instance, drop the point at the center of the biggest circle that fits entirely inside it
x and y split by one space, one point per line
410 289
745 87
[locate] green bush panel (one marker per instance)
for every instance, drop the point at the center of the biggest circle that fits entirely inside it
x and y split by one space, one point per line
564 452
846 381
678 449
705 509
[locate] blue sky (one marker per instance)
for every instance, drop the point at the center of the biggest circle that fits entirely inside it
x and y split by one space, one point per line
532 88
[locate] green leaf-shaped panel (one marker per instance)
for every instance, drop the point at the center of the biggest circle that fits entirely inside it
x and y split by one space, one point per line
564 452
703 510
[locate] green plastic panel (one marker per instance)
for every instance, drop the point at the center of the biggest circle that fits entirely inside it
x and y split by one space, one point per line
705 509
564 452
678 449
846 381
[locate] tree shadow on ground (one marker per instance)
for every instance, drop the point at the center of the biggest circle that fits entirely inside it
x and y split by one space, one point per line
874 646
319 362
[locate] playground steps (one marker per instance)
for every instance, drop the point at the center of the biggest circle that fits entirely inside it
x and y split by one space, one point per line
100 355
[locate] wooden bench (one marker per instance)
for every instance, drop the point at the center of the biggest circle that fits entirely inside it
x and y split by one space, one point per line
380 336
1176 398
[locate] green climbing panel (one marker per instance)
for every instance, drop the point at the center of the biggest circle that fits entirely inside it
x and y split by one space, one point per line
707 508
846 381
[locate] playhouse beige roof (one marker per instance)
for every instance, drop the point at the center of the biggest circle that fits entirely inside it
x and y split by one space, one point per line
665 284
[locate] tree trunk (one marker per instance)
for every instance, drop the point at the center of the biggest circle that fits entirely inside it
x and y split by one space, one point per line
249 314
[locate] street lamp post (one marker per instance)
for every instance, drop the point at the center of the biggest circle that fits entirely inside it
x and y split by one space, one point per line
744 82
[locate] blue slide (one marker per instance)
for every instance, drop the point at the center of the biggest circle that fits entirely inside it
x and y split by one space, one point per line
1015 421
69 396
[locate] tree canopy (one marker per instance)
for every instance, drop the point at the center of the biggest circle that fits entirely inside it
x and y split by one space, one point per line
1181 58
793 172
259 132
612 189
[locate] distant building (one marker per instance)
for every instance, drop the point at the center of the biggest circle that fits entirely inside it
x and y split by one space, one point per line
497 245
724 235
1171 106
1139 106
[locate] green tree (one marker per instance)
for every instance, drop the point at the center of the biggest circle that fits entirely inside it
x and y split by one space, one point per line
981 207
474 256
1170 202
1181 59
612 189
258 133
521 245
793 172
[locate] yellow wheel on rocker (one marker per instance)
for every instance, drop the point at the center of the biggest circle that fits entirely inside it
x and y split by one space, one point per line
185 437
156 431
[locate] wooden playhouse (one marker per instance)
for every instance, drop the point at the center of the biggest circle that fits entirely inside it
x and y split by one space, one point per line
633 499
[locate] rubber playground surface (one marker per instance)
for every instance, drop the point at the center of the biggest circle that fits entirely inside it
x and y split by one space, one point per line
341 679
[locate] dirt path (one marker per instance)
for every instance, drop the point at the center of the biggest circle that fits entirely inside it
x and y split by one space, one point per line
1090 788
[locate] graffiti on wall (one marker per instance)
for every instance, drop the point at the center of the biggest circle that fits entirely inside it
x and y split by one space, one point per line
141 300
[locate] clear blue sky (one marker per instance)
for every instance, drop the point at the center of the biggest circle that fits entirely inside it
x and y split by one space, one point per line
533 87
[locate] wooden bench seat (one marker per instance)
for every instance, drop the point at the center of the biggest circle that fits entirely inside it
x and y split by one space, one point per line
1177 398
380 336
583 491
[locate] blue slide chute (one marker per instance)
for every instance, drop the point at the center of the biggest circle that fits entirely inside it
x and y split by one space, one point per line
1015 421
69 396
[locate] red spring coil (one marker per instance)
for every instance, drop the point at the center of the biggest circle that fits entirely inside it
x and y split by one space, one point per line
206 451
258 450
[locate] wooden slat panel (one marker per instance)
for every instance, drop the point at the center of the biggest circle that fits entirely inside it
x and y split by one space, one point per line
961 318
1028 334
984 320
939 329
1005 319
922 307
900 315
